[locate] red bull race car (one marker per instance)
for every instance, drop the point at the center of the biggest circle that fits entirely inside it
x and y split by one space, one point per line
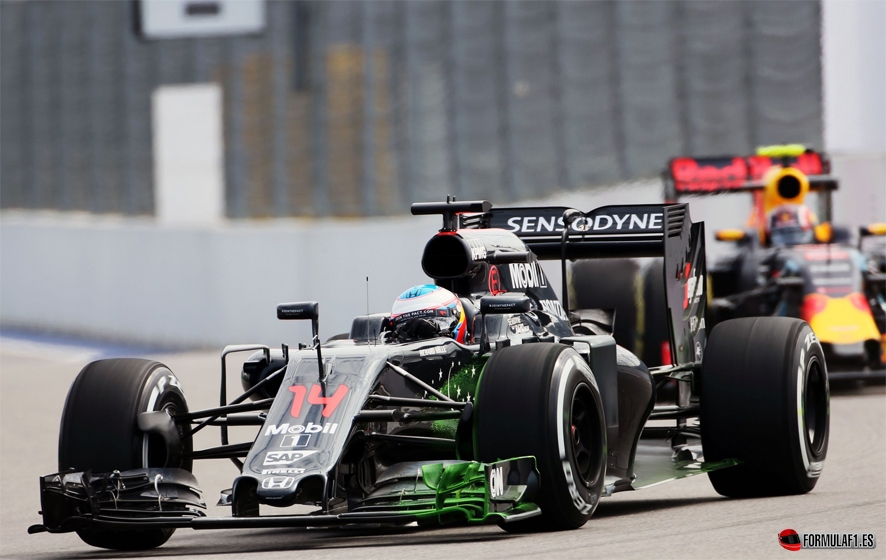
479 398
785 262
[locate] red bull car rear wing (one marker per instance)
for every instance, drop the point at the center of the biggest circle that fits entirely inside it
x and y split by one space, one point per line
713 175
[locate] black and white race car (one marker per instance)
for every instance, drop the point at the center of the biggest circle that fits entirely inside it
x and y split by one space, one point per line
526 421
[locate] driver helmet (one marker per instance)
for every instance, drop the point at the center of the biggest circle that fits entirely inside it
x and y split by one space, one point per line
435 304
790 224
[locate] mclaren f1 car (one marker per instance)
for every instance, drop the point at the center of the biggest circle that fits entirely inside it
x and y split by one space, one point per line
526 422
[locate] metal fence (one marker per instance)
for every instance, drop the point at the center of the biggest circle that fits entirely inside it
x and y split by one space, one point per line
359 108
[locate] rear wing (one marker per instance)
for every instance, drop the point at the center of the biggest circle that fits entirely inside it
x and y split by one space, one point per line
714 175
641 230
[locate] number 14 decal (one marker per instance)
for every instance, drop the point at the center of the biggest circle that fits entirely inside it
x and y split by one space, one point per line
329 403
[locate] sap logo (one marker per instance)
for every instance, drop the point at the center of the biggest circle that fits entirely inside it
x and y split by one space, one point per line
311 428
433 351
496 482
553 307
283 471
286 457
478 250
527 275
277 482
300 440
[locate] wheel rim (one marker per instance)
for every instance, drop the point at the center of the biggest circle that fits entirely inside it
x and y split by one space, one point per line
584 435
815 407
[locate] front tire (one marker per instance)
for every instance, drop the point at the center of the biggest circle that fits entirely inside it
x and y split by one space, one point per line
765 402
99 432
542 400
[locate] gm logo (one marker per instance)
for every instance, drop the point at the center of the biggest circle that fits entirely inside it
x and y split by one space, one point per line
496 482
277 482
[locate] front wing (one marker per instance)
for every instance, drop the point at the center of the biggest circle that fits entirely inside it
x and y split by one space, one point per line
443 493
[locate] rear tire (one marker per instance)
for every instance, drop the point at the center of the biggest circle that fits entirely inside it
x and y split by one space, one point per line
542 400
764 401
610 284
99 432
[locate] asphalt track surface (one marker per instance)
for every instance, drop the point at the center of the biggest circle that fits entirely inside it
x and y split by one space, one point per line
681 519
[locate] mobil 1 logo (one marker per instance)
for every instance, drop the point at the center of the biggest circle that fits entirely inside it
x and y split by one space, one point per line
527 275
298 440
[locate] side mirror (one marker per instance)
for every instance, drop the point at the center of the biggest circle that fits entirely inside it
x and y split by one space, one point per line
302 310
731 235
504 304
298 311
824 233
494 305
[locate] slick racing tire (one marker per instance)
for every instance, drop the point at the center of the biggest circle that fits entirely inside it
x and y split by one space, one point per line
764 402
542 400
99 432
609 284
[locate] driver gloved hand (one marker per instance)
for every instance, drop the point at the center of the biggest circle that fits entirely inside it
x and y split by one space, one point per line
417 329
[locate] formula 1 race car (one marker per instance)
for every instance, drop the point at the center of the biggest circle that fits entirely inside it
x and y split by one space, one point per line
786 264
526 421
